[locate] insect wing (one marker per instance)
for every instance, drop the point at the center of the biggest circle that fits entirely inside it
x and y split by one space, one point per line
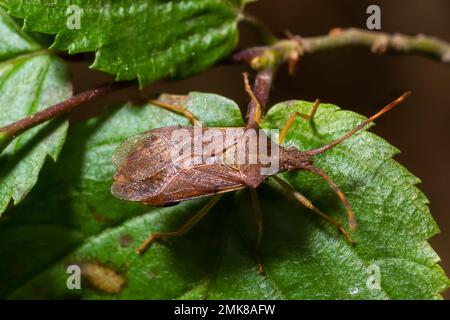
143 164
148 171
128 146
198 181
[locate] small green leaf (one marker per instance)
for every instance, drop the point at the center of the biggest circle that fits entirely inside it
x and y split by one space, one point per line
30 81
132 39
72 218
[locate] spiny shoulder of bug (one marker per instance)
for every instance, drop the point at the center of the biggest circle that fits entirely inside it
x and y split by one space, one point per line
290 158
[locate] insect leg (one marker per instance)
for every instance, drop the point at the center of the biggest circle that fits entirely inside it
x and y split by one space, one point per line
258 216
184 228
293 116
259 224
333 185
255 100
177 109
308 204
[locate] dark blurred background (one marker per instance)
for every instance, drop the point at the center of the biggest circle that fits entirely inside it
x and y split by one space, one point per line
354 79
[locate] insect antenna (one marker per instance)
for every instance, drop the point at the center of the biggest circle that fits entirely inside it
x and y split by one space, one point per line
321 173
331 145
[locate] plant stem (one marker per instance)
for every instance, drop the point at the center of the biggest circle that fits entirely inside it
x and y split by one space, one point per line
9 132
267 59
261 88
379 42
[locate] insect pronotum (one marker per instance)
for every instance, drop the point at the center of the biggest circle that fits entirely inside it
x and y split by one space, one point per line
148 173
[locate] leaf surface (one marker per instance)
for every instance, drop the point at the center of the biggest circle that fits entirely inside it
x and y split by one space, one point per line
30 80
72 219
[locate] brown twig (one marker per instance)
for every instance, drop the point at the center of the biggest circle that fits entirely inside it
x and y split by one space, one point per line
261 88
9 132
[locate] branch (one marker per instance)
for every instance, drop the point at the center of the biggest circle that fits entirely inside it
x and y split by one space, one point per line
291 50
9 132
261 88
379 42
267 59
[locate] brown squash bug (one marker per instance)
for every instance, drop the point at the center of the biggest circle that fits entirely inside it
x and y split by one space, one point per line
150 172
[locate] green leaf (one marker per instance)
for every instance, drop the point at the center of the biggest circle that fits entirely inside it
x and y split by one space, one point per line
72 218
132 39
30 81
13 42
